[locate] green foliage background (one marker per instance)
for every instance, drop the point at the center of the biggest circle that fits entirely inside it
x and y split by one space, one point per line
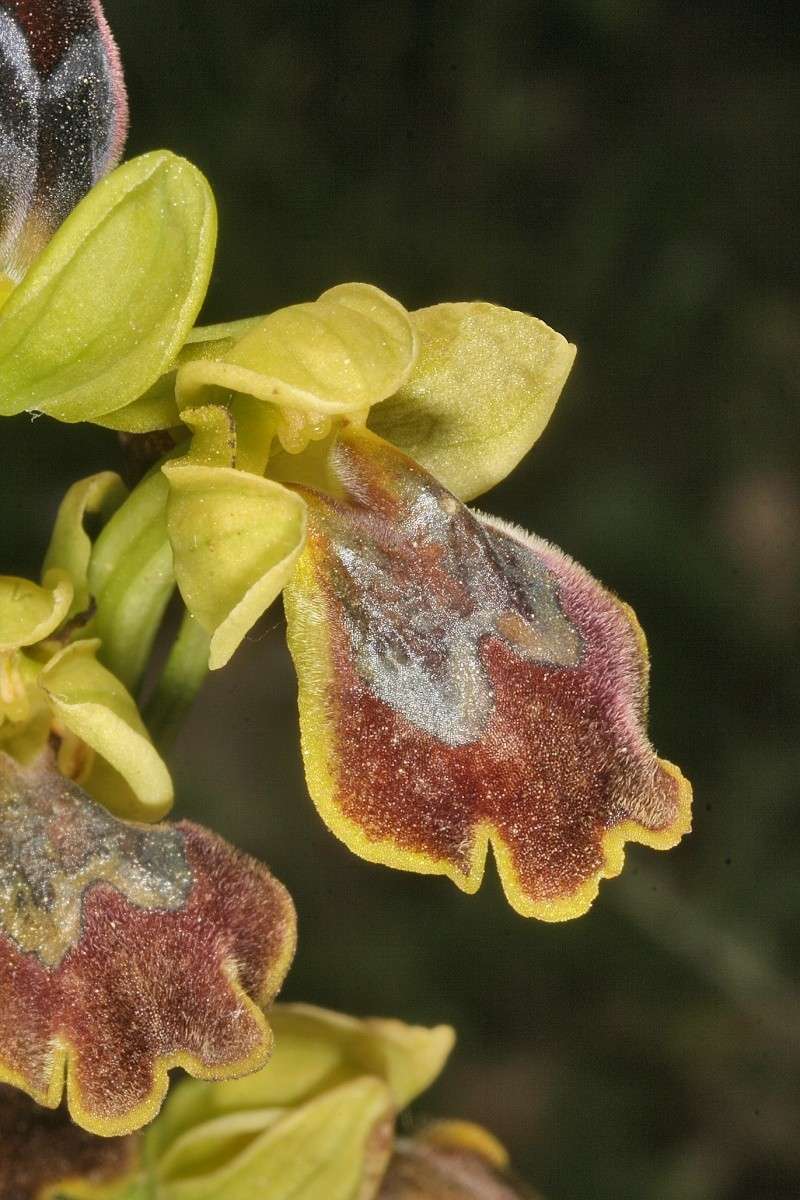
625 171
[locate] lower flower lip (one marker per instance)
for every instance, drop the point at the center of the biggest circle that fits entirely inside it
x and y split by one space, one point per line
110 1010
464 684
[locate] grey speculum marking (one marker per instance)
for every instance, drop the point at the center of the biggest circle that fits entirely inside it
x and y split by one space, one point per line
57 130
423 593
57 844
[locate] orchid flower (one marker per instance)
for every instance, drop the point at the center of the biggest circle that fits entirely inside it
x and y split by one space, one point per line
462 684
317 1123
126 950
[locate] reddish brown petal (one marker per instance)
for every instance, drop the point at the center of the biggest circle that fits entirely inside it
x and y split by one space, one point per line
126 950
463 683
39 1147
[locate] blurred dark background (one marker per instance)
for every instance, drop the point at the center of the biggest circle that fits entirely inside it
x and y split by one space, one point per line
628 171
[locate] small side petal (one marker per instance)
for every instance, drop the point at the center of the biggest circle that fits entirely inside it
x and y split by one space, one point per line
125 951
351 348
131 778
235 539
462 684
484 387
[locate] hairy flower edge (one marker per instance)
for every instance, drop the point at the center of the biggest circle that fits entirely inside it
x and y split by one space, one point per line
437 647
127 951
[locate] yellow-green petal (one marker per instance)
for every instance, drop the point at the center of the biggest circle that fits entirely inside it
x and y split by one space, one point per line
104 310
70 547
30 612
484 387
335 1147
349 349
128 776
235 539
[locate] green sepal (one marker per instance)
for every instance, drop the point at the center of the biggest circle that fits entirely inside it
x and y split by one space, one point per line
70 547
106 307
128 776
155 409
484 386
131 579
212 1144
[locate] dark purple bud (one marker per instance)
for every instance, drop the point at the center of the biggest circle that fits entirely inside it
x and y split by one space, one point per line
63 117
